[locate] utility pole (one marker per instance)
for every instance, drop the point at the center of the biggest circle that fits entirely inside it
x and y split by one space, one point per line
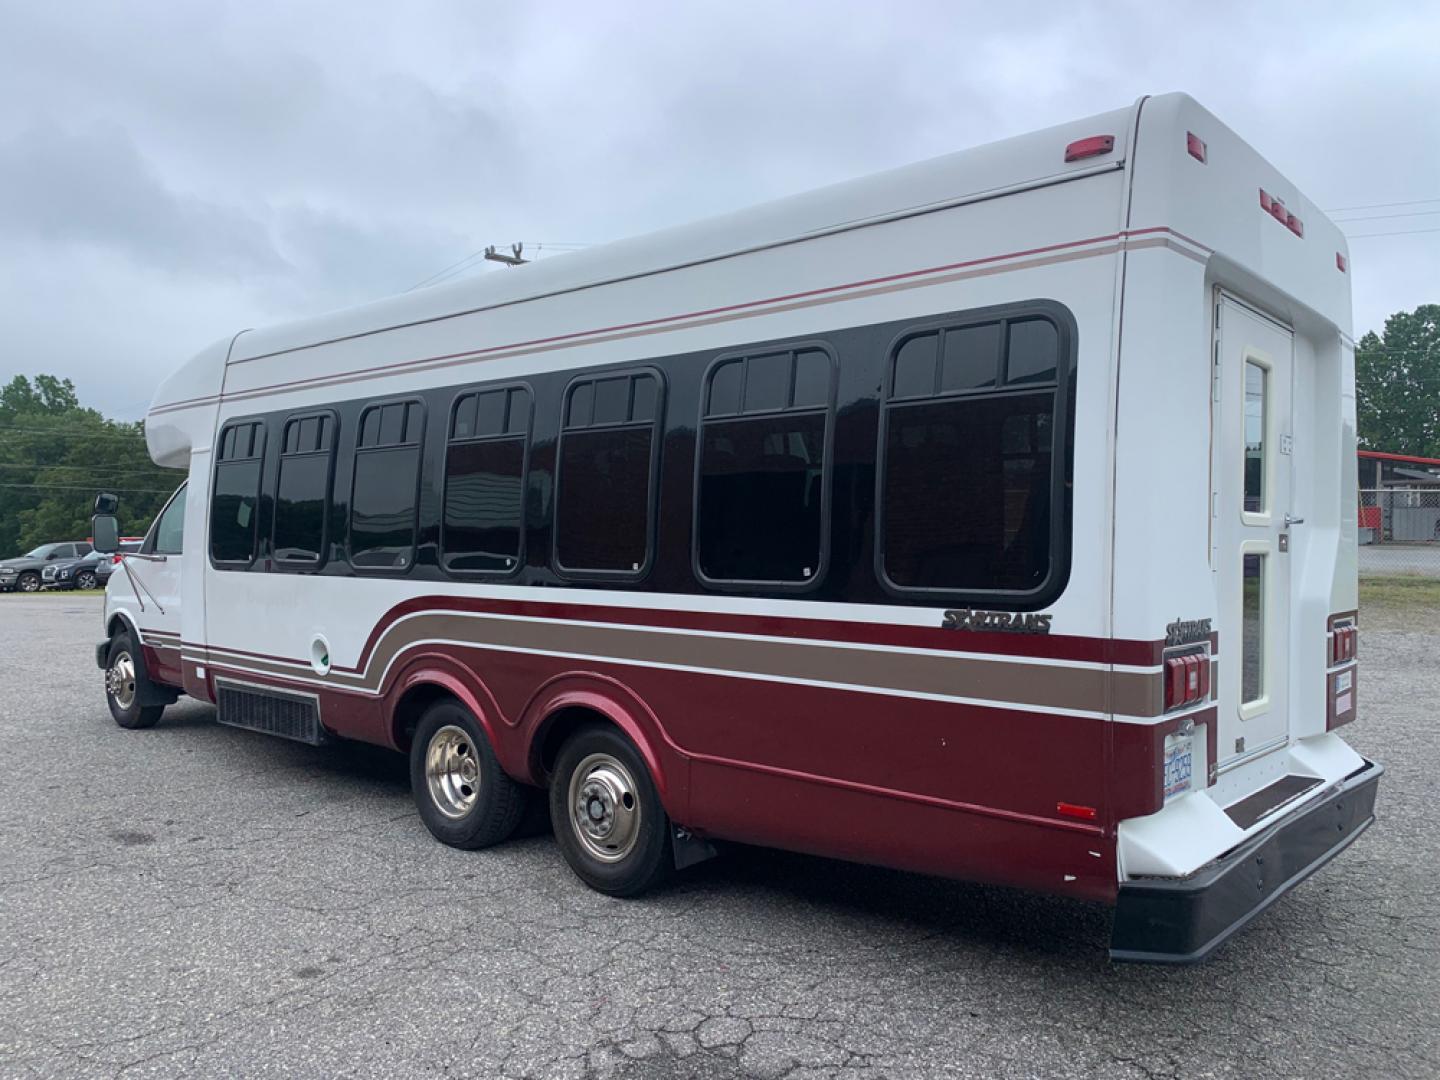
513 259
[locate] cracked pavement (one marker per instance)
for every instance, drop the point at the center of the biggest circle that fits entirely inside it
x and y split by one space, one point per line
199 900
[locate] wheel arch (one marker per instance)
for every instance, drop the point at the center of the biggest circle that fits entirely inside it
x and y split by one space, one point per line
427 678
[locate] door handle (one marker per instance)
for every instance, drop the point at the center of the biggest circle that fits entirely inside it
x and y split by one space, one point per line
1293 521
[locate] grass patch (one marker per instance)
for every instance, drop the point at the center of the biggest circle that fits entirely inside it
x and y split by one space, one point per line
1409 592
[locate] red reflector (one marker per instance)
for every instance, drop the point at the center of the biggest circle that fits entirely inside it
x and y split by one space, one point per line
1196 146
1340 263
1086 813
1091 147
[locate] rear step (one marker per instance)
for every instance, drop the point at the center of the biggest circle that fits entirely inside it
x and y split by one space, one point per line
286 713
1270 798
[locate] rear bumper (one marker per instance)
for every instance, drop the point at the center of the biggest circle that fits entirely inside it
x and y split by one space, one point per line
1183 920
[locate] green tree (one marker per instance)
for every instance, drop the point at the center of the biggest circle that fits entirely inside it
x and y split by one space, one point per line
1397 384
54 457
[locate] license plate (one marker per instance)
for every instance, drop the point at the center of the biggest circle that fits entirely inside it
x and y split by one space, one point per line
1179 766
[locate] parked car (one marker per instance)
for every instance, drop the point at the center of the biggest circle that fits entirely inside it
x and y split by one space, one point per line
90 571
24 573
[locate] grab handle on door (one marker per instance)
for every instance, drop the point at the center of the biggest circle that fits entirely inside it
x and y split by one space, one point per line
1293 521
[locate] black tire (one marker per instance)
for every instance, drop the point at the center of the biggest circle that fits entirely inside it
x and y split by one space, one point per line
29 582
86 579
123 685
588 787
465 799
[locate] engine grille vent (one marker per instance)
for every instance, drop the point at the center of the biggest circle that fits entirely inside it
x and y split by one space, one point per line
274 712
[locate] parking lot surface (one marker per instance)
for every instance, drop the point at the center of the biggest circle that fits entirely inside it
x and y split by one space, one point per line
199 900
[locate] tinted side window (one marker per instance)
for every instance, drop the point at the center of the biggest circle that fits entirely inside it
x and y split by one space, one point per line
302 492
484 521
170 529
970 479
235 499
387 480
762 470
605 487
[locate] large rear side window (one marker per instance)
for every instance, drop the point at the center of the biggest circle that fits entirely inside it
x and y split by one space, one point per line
976 438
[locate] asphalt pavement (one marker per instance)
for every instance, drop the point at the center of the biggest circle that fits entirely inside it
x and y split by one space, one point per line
195 900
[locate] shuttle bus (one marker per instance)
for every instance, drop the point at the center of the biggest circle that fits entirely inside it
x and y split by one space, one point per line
994 517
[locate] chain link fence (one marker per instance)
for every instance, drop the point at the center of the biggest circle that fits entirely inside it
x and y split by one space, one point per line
1400 532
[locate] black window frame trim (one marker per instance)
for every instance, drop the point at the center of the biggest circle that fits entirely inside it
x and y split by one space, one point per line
528 436
1061 462
827 474
652 506
355 451
263 421
308 565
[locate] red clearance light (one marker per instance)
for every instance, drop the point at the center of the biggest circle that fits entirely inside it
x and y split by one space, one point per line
1085 813
1276 209
1196 146
1091 147
1340 263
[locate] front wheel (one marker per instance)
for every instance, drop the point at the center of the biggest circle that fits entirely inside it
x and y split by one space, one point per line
122 687
465 799
607 816
85 579
29 582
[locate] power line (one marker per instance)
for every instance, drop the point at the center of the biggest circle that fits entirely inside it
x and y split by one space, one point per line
1381 205
55 432
92 488
1385 217
1401 232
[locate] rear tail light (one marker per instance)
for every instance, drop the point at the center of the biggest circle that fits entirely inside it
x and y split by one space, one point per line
1187 680
1344 641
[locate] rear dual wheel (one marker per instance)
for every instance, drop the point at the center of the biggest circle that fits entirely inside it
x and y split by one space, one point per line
607 815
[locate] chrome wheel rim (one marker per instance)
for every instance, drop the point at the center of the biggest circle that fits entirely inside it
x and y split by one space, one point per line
120 681
605 807
452 771
29 583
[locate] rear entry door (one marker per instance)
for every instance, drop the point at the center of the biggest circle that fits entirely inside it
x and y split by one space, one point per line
1251 474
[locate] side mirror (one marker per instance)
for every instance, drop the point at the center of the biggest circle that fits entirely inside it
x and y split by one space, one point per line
106 504
105 532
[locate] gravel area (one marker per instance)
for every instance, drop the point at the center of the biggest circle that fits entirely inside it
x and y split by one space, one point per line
197 900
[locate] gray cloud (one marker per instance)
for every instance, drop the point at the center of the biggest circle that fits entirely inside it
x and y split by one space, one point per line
169 173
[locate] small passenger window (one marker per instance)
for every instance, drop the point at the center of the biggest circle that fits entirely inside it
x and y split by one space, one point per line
762 477
484 522
386 486
235 500
605 485
302 493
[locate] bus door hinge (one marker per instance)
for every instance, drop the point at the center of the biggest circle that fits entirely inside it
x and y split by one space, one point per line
1215 373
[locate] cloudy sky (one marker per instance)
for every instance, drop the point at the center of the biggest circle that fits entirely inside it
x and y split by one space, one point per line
172 172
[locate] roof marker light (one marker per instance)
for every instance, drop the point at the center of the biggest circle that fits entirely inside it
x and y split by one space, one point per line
1340 263
1196 146
1094 146
1085 813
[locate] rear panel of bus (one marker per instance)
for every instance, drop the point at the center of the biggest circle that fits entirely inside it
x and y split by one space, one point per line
1235 487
